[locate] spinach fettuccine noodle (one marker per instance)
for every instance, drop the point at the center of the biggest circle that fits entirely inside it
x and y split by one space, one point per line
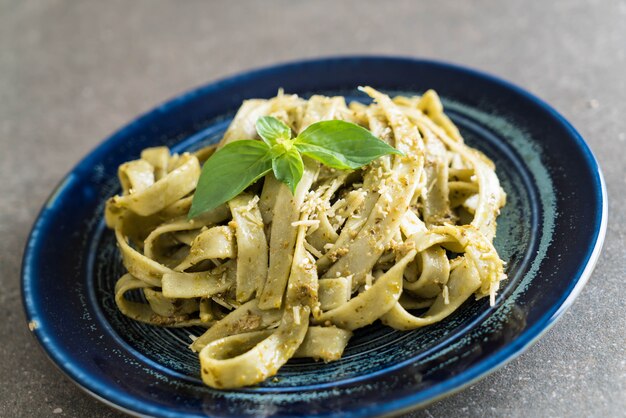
278 272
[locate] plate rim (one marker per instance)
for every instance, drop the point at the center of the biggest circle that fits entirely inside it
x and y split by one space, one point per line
505 354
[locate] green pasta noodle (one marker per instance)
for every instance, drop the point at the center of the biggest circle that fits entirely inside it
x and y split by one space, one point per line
273 275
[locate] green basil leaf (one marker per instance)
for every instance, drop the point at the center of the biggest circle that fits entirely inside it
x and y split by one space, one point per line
342 145
271 130
288 168
228 172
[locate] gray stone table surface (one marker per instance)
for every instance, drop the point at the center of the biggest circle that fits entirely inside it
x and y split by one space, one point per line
72 72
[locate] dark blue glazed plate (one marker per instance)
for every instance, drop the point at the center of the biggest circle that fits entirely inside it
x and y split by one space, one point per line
550 233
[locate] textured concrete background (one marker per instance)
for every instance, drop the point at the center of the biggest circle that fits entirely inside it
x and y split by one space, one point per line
73 72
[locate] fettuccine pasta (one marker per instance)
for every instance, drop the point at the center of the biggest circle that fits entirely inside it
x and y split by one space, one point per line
274 275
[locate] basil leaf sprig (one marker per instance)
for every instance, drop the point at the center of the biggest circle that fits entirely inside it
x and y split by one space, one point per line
334 143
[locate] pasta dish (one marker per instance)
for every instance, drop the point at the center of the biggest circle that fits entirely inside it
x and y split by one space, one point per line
277 272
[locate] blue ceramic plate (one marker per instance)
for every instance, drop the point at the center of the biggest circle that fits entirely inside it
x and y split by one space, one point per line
550 233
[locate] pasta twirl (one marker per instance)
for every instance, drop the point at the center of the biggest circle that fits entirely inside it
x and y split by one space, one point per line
274 275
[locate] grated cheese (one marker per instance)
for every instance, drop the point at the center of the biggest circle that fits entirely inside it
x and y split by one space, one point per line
368 280
446 295
308 222
296 315
312 250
